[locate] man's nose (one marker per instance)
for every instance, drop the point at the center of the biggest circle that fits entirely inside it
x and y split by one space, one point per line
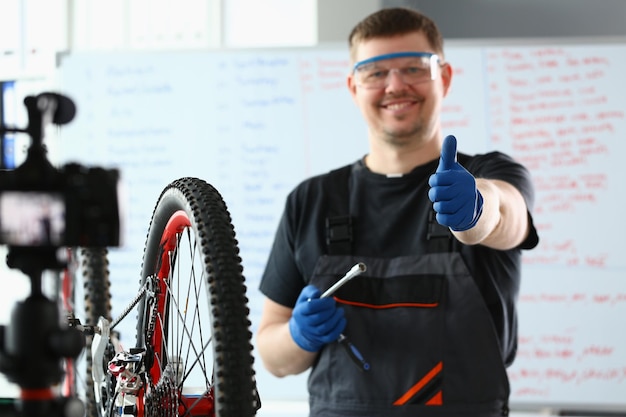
395 80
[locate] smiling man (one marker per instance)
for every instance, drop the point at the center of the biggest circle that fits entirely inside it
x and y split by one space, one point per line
430 327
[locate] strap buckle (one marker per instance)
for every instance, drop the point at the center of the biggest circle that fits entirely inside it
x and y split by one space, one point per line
435 230
339 234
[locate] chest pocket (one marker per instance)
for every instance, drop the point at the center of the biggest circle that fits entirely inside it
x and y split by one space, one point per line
386 285
405 291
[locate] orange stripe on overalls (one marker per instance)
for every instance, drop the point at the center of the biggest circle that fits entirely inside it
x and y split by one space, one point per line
383 306
36 394
436 400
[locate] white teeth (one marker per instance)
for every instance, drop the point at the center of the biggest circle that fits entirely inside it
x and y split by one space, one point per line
397 106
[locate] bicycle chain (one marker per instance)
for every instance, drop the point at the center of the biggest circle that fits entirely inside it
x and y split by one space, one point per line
153 312
131 306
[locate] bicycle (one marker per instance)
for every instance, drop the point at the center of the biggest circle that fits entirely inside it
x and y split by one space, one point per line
193 354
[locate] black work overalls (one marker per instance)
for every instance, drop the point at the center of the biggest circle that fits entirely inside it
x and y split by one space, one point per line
421 324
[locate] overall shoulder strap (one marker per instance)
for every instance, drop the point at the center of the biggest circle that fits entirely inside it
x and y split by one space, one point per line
438 238
338 222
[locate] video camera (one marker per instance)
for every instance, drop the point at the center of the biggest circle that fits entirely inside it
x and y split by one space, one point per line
42 206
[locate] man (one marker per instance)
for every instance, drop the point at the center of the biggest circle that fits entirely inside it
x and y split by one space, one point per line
433 316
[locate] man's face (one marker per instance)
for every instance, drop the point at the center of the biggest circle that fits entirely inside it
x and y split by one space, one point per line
399 111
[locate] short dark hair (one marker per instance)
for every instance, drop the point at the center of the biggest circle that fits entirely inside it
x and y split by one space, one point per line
394 21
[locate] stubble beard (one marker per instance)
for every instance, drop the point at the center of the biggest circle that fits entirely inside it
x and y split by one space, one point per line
405 136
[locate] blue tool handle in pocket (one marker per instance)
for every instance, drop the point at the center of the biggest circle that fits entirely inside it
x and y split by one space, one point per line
354 353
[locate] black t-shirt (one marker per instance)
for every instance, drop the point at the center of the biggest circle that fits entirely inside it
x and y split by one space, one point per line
390 219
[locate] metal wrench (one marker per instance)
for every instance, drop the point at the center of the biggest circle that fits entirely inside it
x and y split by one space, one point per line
352 351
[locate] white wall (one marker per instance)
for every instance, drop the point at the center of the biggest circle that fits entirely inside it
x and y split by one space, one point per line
34 31
335 18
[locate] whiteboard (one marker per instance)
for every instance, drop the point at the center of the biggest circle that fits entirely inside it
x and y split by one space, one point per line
255 123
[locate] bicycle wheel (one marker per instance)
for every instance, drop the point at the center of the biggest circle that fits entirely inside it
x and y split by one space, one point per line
95 271
66 294
194 322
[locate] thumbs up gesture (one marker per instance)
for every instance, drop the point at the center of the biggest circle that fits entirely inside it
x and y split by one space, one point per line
456 200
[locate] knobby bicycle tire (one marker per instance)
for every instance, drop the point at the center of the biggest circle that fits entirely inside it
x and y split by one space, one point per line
65 291
215 299
97 293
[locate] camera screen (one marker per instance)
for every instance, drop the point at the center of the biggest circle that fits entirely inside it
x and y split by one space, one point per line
32 218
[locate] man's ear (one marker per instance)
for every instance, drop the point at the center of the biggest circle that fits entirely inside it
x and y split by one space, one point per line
446 77
351 84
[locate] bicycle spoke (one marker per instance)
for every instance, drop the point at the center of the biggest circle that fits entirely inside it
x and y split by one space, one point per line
186 330
197 360
197 291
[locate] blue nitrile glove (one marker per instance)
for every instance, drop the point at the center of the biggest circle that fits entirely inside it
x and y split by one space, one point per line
453 191
315 321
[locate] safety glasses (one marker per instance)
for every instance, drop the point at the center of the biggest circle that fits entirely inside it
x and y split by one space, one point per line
411 67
